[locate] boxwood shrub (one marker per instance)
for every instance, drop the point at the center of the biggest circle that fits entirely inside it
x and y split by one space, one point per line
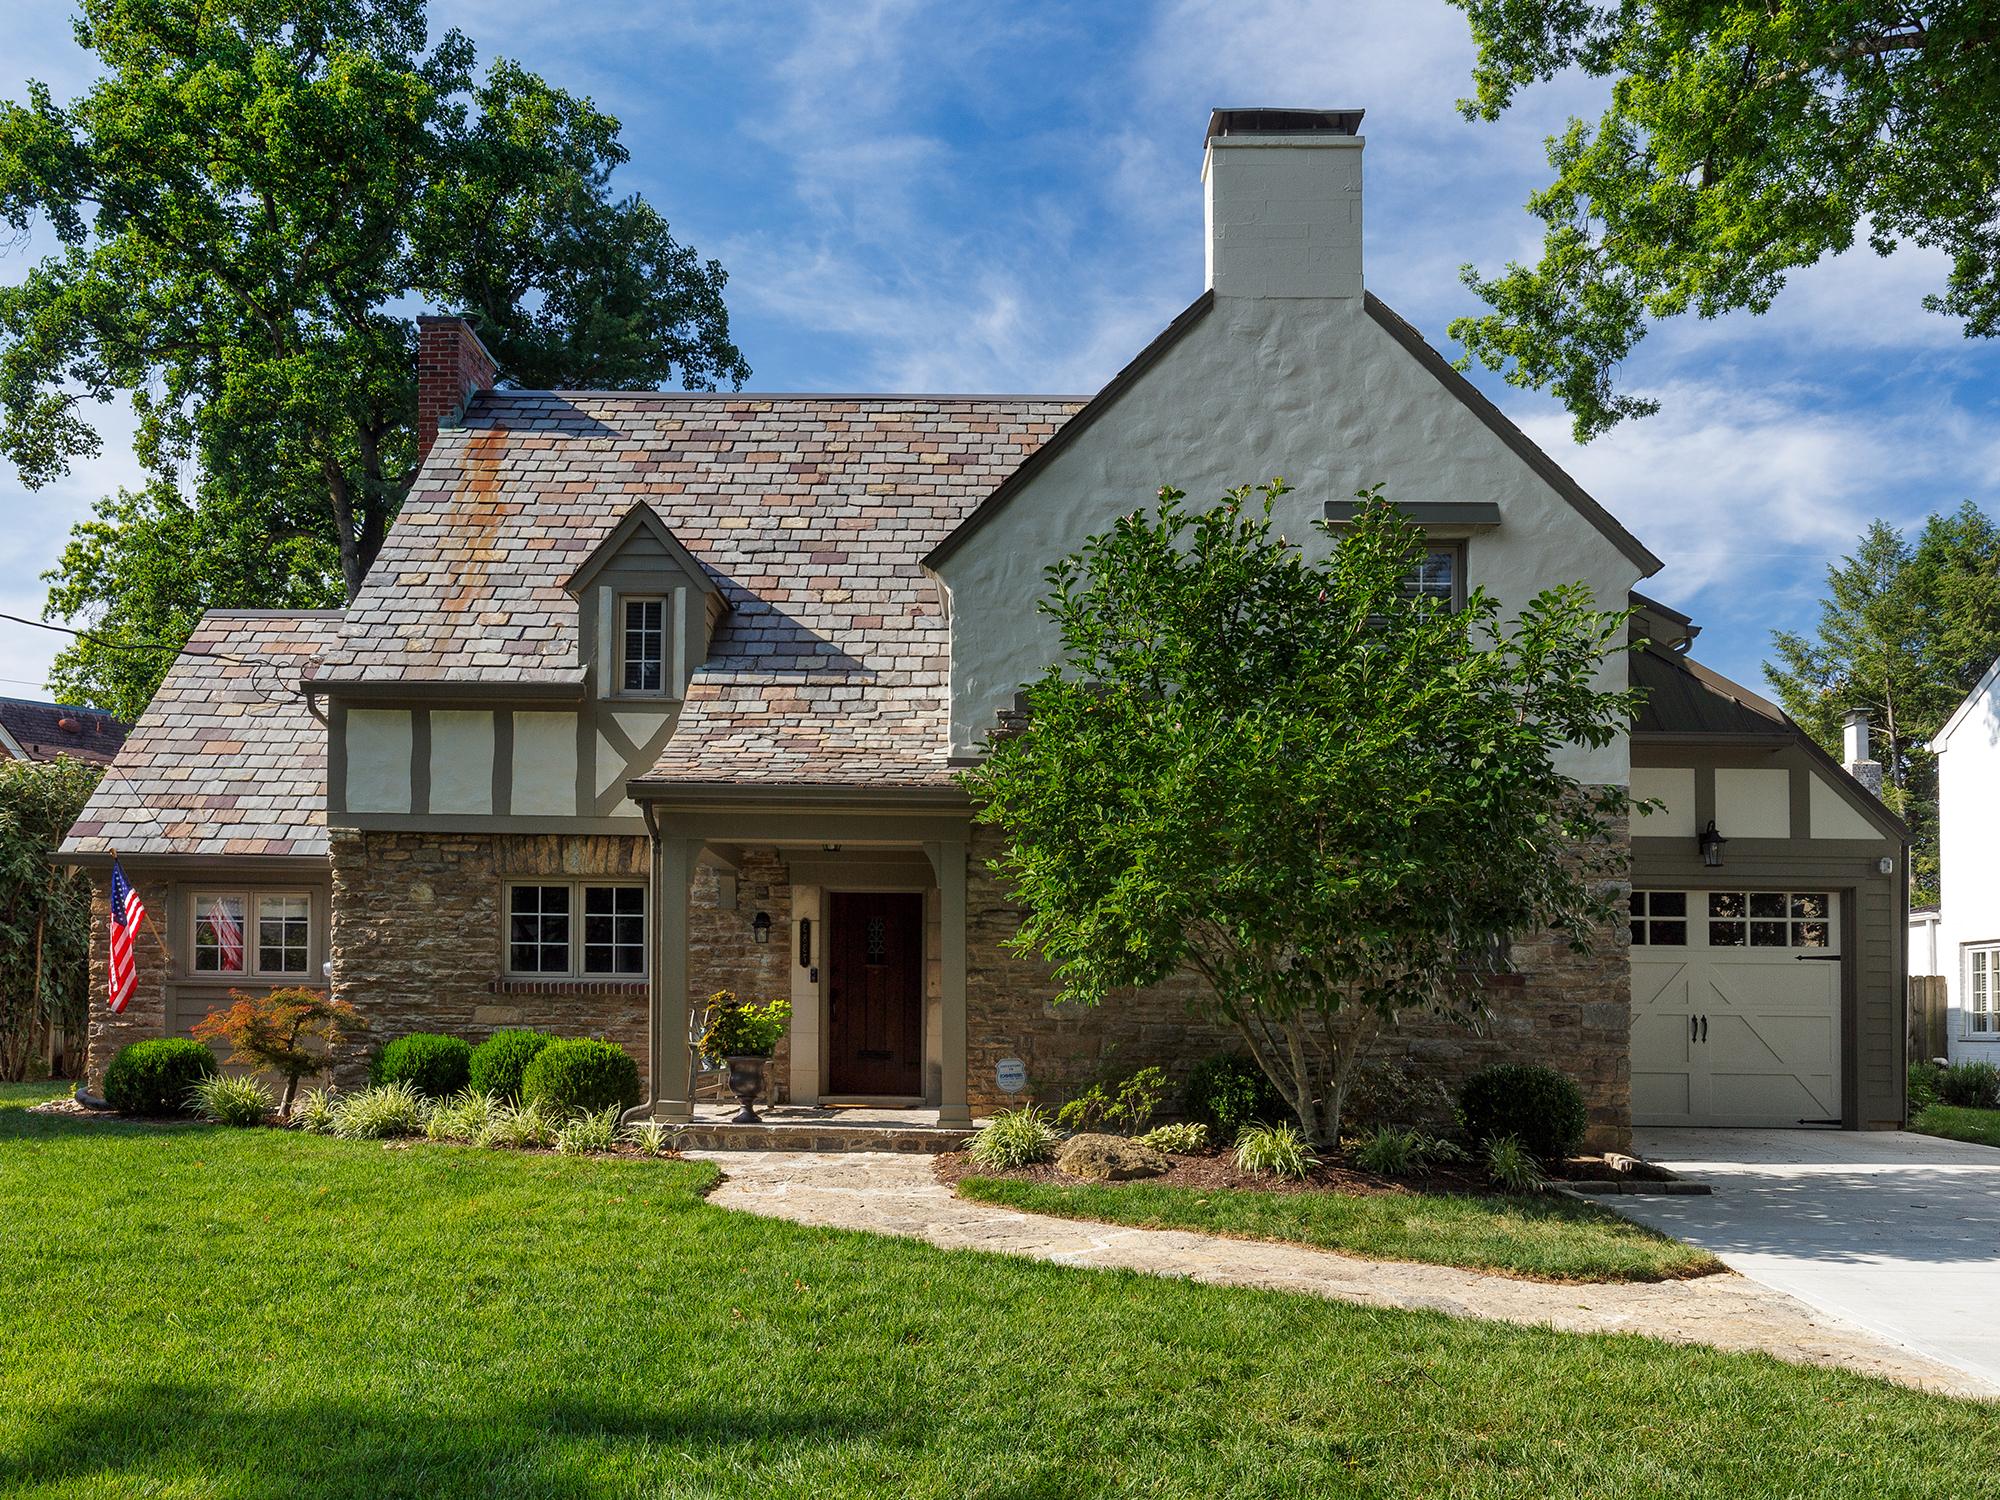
581 1077
157 1076
1230 1091
1539 1107
500 1060
435 1066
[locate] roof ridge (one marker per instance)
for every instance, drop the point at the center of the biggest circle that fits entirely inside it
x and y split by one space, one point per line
1053 397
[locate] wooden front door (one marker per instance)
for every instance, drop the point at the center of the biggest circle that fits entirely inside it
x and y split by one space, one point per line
875 993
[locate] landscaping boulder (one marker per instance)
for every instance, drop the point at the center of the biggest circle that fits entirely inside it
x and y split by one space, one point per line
1109 1158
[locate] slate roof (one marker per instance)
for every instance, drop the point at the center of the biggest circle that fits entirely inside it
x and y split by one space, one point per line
45 730
811 513
226 759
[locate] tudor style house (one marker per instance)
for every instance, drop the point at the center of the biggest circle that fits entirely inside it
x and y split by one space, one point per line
652 694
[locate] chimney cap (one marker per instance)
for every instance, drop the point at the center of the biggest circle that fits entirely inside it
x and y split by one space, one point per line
1268 121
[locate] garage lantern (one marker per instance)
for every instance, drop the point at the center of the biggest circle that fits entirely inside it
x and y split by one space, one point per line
1711 842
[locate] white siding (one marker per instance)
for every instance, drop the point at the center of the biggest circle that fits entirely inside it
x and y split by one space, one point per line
1969 852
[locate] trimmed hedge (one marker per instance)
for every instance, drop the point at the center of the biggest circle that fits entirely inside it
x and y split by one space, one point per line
1230 1091
157 1076
500 1060
435 1066
581 1077
1539 1107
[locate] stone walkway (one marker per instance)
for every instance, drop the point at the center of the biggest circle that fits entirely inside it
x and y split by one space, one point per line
891 1194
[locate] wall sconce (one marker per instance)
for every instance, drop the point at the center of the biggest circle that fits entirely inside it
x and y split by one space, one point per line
805 942
1711 843
760 926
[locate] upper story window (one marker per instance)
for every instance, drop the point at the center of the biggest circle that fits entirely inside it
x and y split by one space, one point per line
1440 576
242 933
643 649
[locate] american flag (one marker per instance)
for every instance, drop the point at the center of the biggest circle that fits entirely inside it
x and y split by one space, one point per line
127 912
228 935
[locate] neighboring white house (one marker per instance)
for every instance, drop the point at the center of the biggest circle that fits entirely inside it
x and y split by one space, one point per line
1968 919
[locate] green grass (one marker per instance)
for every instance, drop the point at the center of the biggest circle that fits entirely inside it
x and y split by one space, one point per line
1548 1238
191 1311
1956 1123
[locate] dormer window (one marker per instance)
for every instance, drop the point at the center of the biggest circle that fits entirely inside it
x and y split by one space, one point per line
643 653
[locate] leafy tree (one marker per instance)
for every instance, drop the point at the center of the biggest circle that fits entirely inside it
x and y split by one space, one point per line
1744 139
1331 801
44 908
293 1032
1905 632
248 203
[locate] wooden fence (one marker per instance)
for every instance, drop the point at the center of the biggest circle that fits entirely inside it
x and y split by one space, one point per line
1927 1002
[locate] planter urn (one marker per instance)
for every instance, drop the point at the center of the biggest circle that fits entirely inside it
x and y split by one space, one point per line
746 1082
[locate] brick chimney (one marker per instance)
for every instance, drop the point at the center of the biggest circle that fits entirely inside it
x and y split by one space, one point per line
452 365
1855 735
1282 193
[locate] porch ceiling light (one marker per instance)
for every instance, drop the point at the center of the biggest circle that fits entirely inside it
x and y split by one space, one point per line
1711 842
760 926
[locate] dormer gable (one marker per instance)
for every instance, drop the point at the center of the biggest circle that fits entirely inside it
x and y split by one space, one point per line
646 608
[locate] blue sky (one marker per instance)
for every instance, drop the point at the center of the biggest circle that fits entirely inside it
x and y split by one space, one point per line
949 197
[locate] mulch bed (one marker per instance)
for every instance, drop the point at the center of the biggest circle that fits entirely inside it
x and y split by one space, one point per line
1218 1170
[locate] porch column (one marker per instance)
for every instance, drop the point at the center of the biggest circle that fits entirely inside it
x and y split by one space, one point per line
948 859
673 875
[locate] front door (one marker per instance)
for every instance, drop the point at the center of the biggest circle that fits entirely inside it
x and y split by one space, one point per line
1736 1007
875 993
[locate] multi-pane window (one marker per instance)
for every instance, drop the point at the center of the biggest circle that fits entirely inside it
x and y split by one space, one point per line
1982 967
1659 919
282 925
614 929
1440 576
218 933
544 938
538 929
237 932
645 645
1768 919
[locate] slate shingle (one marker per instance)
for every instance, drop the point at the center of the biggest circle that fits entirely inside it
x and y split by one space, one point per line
226 759
811 513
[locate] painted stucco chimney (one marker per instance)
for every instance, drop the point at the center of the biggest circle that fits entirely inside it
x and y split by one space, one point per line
1282 191
452 366
1855 734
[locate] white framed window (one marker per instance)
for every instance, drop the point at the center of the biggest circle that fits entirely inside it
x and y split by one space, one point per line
1440 576
1982 967
251 934
642 646
576 929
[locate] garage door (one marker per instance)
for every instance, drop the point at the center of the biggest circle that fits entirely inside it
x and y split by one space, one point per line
1735 1007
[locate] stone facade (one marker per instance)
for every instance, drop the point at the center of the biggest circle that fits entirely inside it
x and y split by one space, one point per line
418 940
723 953
145 1015
1569 1010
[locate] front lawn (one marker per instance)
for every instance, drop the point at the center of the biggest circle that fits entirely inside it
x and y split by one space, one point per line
1954 1123
191 1311
1547 1238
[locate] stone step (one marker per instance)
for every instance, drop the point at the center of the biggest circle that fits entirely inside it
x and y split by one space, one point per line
818 1135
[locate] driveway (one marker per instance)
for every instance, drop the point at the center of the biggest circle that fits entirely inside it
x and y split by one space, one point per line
1898 1233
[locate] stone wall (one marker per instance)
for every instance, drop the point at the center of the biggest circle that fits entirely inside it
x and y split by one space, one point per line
723 953
1572 1011
417 942
145 1015
417 937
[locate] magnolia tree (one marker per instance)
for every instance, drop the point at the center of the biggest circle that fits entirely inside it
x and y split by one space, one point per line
1330 798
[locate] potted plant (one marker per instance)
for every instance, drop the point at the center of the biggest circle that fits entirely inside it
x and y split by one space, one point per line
742 1036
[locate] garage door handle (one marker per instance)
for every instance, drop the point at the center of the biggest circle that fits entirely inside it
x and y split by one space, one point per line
1704 1028
1819 958
1694 1029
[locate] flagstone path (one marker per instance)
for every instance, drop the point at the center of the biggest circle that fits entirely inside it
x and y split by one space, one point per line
897 1194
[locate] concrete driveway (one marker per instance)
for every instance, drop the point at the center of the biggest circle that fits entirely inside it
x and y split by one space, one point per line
1899 1233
